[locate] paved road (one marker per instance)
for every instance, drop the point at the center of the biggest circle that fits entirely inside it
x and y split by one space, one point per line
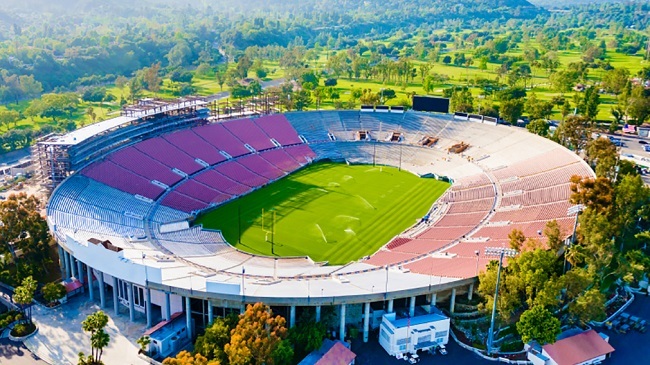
12 353
634 151
632 347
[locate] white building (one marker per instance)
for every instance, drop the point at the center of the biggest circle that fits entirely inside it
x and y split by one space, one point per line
402 335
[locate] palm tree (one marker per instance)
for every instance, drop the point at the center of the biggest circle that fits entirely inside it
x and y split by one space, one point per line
575 254
99 339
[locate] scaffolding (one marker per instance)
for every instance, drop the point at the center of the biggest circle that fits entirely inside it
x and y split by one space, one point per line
267 103
57 156
52 161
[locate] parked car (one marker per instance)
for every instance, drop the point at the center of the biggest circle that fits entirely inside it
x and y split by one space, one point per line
625 317
642 326
442 349
643 142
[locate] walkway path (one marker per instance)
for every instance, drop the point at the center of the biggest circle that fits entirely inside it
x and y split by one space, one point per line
15 353
60 338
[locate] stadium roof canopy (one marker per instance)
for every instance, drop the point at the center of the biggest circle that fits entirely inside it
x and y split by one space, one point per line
146 108
82 134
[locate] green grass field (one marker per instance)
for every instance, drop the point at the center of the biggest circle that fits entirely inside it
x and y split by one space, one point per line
327 211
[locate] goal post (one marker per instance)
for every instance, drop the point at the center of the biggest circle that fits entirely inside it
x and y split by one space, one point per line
268 227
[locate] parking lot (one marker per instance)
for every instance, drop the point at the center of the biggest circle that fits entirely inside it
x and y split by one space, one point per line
631 347
372 353
634 148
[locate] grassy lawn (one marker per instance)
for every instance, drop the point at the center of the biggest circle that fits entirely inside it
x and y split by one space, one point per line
327 211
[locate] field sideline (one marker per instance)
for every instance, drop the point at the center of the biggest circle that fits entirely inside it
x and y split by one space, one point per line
328 211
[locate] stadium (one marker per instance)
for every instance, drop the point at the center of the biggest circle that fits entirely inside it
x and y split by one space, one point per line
167 211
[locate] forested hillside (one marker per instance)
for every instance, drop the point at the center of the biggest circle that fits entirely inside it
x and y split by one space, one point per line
97 41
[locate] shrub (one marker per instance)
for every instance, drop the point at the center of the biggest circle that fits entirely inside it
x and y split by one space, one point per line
53 292
512 346
8 318
23 329
330 82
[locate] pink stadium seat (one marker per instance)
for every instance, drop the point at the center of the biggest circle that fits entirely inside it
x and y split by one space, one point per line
277 127
195 146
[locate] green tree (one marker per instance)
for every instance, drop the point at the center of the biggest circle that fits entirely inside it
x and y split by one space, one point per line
53 106
220 76
135 89
574 132
121 82
24 229
30 87
179 55
302 99
601 155
615 80
631 199
509 298
530 272
459 59
554 236
24 295
539 127
151 78
307 336
639 104
563 81
211 344
90 113
53 292
428 84
566 109
596 238
588 106
283 353
462 100
589 306
511 110
9 116
516 239
538 109
144 343
575 282
538 324
99 339
243 65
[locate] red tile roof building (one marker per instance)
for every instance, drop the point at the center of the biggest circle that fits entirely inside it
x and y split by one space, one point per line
585 347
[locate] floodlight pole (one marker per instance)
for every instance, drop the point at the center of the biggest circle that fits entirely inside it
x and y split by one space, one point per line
576 209
386 292
374 153
273 235
400 157
501 252
494 306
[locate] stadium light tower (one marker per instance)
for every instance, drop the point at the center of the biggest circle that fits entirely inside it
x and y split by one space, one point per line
501 252
574 210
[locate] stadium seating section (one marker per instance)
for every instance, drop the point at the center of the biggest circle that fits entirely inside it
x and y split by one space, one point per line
506 179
